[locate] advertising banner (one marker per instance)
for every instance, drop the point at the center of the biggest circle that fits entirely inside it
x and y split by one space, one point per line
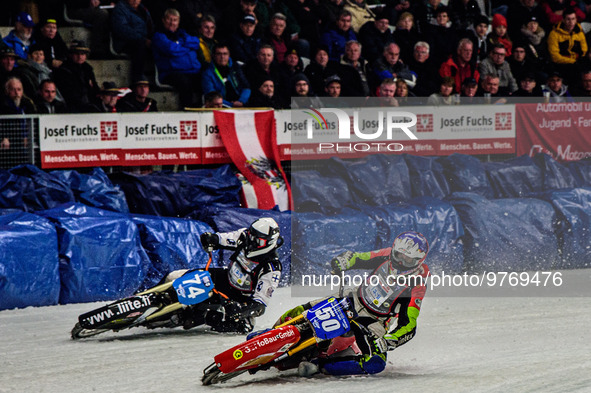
160 138
213 149
560 130
119 140
70 141
133 139
417 130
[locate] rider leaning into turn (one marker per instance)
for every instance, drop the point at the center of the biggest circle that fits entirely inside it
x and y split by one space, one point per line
245 287
387 310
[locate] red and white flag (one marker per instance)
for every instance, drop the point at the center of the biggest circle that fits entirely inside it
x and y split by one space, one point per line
251 141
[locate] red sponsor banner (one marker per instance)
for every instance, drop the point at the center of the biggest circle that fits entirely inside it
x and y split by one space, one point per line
559 130
163 156
216 155
81 158
476 146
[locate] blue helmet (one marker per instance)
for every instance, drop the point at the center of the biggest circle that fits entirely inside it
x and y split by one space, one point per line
409 250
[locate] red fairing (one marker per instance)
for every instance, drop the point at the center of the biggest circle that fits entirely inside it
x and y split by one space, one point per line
258 350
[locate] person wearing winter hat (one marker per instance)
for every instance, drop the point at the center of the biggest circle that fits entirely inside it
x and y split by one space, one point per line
21 37
302 95
477 33
374 35
555 89
106 101
499 35
320 68
52 43
264 96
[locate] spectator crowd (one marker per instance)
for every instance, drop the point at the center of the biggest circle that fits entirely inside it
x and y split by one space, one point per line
262 53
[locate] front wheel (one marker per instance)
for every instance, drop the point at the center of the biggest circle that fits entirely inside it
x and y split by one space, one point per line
79 332
212 375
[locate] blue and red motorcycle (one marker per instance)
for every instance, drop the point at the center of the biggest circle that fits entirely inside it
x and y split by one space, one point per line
304 337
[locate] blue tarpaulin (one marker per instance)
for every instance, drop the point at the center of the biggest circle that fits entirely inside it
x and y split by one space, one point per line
176 195
28 188
374 180
314 192
513 234
426 177
94 189
156 195
436 219
203 187
581 170
466 174
100 254
514 178
29 266
573 207
171 244
554 174
317 238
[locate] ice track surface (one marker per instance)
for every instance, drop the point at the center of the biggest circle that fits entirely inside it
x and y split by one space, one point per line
462 345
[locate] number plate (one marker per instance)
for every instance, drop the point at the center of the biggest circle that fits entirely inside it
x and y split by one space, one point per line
328 319
193 288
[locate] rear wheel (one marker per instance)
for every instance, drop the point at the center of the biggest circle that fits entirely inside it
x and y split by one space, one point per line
79 332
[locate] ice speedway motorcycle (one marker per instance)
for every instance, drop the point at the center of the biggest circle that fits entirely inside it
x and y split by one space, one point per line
155 307
285 345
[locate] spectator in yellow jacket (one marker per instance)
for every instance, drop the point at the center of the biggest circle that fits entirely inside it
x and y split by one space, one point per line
567 44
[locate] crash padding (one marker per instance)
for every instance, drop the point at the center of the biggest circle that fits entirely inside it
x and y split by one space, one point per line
573 207
94 189
437 220
514 178
29 266
100 253
373 180
317 238
581 170
466 174
172 244
176 195
153 194
28 188
426 177
315 192
513 234
204 187
554 174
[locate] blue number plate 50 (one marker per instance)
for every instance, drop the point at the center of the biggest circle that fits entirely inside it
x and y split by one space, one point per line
328 319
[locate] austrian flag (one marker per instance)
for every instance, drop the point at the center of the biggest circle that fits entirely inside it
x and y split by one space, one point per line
251 142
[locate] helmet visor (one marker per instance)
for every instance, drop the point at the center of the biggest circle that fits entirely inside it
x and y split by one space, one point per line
405 260
256 242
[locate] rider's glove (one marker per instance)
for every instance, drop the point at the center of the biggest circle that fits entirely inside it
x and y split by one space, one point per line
391 341
340 263
209 240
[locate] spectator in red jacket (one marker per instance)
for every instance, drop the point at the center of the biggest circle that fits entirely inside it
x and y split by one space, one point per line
460 66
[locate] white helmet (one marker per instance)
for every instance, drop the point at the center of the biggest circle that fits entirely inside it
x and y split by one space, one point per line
408 252
261 237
